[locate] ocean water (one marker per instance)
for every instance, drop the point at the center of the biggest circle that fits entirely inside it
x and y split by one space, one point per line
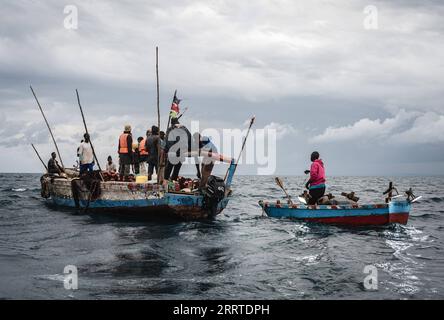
239 255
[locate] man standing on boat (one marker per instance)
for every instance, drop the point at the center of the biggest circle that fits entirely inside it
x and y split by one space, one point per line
316 183
143 154
86 155
152 145
178 138
125 152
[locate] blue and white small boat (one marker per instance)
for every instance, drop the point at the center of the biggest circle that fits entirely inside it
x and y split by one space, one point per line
396 211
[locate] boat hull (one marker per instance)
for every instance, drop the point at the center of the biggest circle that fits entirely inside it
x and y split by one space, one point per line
356 215
132 199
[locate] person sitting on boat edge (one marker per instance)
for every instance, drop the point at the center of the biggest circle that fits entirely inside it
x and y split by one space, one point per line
316 183
110 165
53 165
86 155
125 152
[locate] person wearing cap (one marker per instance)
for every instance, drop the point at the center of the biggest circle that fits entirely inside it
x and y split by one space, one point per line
125 152
316 183
86 155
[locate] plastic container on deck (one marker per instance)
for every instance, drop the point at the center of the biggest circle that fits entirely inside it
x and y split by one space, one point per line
141 179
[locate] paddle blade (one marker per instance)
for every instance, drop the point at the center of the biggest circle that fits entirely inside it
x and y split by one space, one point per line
279 182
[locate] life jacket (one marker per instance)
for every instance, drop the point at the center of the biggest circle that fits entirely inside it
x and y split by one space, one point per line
123 143
142 148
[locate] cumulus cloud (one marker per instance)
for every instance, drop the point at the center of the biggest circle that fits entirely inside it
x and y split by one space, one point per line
229 58
404 127
282 129
255 51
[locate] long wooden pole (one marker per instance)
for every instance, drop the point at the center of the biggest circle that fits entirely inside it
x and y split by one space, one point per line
86 130
49 128
158 116
38 155
243 145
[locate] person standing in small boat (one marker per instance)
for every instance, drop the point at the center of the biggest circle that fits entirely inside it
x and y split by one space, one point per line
316 183
174 160
125 152
86 155
53 165
152 146
143 155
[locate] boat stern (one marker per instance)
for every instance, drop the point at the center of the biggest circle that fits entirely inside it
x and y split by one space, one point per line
399 211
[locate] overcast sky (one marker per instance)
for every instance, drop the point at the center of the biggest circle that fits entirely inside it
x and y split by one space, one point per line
369 100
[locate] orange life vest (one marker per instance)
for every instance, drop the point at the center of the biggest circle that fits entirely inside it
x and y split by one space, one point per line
123 143
142 148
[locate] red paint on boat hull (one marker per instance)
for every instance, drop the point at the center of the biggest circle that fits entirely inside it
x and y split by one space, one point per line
373 220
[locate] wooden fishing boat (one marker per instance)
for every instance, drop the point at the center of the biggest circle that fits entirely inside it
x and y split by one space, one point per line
396 211
138 199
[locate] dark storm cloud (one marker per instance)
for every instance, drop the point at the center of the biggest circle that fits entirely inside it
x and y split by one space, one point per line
309 66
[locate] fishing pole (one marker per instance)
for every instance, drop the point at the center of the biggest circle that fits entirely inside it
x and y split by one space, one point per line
280 183
180 116
86 130
243 146
158 170
38 155
49 128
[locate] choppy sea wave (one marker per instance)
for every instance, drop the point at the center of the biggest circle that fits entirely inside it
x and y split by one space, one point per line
240 255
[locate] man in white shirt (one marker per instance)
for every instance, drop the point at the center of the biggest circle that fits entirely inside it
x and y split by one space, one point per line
86 156
110 166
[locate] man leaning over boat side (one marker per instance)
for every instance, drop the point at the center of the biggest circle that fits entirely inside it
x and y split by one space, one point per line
125 152
205 144
316 183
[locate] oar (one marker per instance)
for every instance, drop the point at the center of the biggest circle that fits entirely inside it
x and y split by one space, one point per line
242 149
49 128
281 185
90 142
38 155
180 116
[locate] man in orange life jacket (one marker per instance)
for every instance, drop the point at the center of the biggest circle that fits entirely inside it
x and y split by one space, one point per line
125 152
143 154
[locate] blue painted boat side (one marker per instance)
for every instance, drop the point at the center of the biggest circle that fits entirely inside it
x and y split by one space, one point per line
326 211
322 213
170 199
68 202
399 207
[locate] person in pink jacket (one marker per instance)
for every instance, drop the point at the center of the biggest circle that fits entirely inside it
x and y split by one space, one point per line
316 183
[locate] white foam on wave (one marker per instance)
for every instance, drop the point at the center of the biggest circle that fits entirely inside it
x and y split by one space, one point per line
19 189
